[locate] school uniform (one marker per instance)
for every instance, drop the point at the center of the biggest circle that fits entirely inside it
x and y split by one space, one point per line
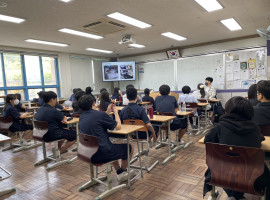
40 101
76 109
96 123
56 129
16 125
134 111
167 103
19 107
211 91
92 96
149 99
233 129
262 113
254 101
72 98
191 99
126 101
117 97
106 105
198 95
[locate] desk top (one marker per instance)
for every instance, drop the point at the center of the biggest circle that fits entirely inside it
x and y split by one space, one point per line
126 129
67 109
4 138
34 107
214 100
27 116
265 144
75 120
120 107
144 103
180 113
118 102
202 104
161 118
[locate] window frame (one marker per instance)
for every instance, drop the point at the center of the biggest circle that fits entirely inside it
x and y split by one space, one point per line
25 87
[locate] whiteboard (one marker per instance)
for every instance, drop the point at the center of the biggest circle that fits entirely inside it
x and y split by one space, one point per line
194 70
156 74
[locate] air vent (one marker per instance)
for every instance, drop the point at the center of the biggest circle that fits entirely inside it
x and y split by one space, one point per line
103 27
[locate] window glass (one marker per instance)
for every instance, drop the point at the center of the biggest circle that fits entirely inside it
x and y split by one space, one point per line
48 64
2 93
32 93
13 69
17 91
1 74
51 89
32 68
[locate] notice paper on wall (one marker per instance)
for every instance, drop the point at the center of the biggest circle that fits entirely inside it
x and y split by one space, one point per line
244 74
229 77
237 84
236 75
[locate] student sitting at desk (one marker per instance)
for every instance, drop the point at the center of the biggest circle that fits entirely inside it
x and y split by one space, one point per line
147 98
72 97
167 103
96 123
235 128
78 95
252 94
125 99
41 102
210 90
56 121
104 101
262 109
20 107
134 111
89 91
201 94
117 94
10 110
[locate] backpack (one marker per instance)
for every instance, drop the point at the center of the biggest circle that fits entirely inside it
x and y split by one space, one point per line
218 111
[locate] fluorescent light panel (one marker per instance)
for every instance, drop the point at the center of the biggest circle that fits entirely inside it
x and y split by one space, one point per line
11 19
79 33
129 20
99 50
136 45
66 1
231 24
209 5
173 36
46 42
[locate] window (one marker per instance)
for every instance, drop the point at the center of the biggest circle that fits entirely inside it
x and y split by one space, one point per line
49 70
13 69
32 68
28 74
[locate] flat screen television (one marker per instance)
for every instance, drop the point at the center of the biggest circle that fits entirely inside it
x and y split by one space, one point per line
118 71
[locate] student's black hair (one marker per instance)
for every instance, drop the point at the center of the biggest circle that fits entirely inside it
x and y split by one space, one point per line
129 86
252 92
40 94
9 97
186 89
47 96
85 102
146 92
116 91
240 106
74 90
164 90
88 90
104 97
263 88
131 93
79 94
202 91
102 90
209 79
18 96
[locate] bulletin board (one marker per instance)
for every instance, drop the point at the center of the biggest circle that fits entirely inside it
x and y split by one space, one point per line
245 67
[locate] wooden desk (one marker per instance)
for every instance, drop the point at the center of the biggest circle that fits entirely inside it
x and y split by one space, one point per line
126 130
203 104
165 120
180 113
144 103
4 139
119 108
214 100
67 109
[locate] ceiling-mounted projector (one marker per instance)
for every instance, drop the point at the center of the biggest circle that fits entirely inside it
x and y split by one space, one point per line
127 39
265 33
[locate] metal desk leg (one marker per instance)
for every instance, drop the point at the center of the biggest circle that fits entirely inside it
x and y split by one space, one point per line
138 146
77 133
128 169
171 156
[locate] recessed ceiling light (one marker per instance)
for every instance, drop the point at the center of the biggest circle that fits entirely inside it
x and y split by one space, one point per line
231 24
99 50
210 5
136 45
173 36
11 19
129 20
66 1
79 33
46 42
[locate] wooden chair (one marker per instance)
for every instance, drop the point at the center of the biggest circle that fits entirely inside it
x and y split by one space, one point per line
265 129
142 141
87 148
234 167
40 129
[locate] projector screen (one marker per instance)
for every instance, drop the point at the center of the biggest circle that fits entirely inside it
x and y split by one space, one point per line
118 71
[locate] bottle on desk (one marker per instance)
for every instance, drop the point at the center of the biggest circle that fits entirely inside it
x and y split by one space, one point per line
29 104
151 113
184 107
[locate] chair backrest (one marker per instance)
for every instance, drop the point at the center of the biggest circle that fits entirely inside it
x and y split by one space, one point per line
136 122
40 129
190 104
265 129
163 113
234 167
87 147
5 123
202 100
76 115
154 95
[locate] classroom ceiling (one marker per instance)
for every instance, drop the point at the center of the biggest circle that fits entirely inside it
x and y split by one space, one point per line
184 17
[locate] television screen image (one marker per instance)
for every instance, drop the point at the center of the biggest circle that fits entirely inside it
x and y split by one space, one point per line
118 71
